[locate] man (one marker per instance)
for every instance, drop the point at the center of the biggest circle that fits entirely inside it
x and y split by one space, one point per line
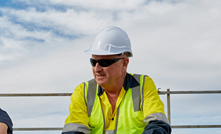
115 102
5 123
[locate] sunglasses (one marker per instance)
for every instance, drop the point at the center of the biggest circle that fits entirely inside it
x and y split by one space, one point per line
104 62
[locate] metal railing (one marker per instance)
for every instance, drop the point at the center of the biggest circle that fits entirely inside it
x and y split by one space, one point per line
168 93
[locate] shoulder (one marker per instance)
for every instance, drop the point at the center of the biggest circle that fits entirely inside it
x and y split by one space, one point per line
3 113
147 83
148 79
80 89
143 77
78 92
4 118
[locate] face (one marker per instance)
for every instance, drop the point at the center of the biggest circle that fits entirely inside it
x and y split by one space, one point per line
111 75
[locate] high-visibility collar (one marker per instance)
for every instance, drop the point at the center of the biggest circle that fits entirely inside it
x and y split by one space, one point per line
129 82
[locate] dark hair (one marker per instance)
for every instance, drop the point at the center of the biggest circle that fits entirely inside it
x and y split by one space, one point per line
128 54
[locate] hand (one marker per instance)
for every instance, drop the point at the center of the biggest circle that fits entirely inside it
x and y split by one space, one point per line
3 128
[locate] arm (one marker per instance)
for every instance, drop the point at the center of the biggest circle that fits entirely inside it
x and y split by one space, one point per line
77 121
153 110
3 128
5 123
157 127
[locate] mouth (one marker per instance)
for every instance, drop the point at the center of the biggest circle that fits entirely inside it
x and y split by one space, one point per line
99 76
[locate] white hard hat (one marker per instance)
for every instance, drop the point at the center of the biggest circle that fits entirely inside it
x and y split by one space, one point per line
112 40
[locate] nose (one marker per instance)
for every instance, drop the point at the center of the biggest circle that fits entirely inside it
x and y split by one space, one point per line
97 67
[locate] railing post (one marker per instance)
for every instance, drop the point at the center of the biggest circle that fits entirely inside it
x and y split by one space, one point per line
168 105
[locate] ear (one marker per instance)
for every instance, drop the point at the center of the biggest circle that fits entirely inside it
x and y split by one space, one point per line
125 63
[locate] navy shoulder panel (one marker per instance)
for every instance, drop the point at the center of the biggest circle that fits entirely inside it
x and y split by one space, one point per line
4 117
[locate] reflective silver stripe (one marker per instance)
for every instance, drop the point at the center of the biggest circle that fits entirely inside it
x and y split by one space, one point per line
156 116
85 100
92 86
110 132
117 119
76 128
142 90
91 93
136 94
103 120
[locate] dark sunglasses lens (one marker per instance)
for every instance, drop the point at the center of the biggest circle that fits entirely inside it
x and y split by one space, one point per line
105 62
93 62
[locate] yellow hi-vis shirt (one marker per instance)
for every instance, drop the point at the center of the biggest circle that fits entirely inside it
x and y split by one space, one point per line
78 110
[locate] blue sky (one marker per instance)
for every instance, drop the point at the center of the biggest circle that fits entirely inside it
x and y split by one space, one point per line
42 43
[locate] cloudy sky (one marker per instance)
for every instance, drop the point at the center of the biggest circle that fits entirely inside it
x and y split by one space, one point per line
176 42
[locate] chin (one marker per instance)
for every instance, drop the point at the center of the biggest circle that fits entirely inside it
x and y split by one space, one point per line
100 82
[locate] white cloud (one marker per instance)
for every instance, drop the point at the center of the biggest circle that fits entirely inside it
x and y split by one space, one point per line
39 72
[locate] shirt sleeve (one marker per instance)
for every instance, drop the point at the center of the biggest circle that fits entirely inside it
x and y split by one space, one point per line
153 110
77 120
157 127
151 100
4 118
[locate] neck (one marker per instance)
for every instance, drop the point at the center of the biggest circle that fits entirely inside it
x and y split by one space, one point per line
115 88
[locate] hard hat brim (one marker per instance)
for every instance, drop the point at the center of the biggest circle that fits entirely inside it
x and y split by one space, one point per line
102 52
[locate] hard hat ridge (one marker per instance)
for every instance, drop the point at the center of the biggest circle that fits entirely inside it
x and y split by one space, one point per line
111 40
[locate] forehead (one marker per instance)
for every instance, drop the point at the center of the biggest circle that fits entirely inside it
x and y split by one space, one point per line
104 56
